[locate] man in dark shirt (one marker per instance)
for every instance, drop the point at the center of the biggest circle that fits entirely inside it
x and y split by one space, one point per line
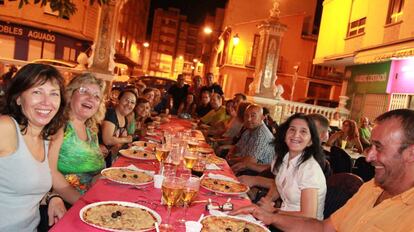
178 93
204 105
211 86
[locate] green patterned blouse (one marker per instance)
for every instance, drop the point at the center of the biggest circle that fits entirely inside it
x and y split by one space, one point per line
79 161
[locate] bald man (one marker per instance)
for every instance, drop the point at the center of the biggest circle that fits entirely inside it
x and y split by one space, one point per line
256 143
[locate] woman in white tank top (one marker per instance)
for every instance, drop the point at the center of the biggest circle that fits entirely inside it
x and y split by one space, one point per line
31 112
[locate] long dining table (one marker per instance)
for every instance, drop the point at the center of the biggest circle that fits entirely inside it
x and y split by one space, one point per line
106 190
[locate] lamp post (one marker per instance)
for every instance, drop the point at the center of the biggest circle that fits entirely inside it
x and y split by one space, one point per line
236 40
294 79
146 57
206 53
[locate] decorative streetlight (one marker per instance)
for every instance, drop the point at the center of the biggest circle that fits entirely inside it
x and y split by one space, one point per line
236 40
207 30
145 44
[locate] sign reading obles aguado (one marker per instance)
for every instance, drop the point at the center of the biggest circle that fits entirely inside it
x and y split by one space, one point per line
26 32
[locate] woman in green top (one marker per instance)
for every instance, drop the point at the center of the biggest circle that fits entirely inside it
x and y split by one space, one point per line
75 154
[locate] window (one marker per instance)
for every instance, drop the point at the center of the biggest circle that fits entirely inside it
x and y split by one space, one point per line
357 27
7 44
39 49
395 11
69 53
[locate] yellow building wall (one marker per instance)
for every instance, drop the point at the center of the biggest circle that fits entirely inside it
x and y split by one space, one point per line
83 24
337 14
333 28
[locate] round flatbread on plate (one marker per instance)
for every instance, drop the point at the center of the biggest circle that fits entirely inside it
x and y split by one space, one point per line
144 144
221 186
124 175
205 150
138 154
119 216
229 223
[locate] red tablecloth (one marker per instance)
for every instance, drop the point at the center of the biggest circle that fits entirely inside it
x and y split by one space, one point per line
105 190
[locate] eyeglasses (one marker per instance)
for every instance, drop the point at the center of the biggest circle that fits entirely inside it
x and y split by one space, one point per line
85 91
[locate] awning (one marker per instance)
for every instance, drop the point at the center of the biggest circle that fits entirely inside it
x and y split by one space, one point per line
385 53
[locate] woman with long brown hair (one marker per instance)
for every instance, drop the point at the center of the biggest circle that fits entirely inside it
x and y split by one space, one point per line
347 137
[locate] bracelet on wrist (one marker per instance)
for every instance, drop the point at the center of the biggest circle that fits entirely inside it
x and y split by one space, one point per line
49 197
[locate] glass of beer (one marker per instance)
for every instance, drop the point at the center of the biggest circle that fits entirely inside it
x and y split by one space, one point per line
190 190
200 165
172 190
190 159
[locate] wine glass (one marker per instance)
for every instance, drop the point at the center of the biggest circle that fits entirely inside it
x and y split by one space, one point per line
172 189
200 165
191 187
190 158
161 152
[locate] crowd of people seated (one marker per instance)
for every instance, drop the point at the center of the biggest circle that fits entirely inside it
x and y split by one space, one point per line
63 136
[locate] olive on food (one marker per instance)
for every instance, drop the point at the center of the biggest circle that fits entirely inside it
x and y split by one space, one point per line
118 213
124 176
246 230
114 215
215 182
135 176
145 154
226 187
228 229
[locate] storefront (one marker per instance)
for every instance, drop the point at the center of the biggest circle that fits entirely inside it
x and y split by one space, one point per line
22 42
367 89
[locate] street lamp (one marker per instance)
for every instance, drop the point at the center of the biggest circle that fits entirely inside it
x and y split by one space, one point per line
236 40
145 44
294 79
208 30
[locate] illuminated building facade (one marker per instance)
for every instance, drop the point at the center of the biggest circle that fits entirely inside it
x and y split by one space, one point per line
372 42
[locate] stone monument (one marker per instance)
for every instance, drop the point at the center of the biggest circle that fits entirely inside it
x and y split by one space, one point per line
271 32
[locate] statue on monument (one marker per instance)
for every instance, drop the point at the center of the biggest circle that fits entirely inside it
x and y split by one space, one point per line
275 11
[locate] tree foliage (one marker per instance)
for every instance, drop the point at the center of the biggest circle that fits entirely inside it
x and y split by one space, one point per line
66 8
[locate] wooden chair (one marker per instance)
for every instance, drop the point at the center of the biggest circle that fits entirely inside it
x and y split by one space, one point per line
340 188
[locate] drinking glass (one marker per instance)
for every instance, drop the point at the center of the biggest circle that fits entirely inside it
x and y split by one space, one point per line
200 165
343 143
161 152
190 159
191 187
172 189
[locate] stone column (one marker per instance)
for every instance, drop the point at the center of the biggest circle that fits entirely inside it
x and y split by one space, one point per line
271 32
101 62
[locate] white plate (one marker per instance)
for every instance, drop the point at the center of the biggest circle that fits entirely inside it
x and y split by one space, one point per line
241 219
127 153
123 203
220 192
125 182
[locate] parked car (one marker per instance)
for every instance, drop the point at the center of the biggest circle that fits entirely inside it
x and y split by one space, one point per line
320 102
161 83
59 63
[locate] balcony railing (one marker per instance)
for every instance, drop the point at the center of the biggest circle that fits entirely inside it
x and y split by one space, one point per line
282 109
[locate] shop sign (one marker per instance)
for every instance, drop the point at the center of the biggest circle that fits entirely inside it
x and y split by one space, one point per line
368 78
15 30
396 54
371 77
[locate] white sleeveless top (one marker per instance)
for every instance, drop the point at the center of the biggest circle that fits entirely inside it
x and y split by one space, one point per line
23 183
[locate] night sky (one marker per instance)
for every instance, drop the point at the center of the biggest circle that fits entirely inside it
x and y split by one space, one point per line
195 10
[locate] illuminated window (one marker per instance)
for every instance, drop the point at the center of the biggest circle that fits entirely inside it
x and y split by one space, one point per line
357 27
69 53
395 11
